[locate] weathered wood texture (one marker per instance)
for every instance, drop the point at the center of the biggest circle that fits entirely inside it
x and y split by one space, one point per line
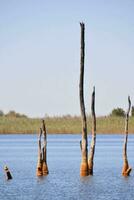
39 164
84 150
126 168
44 150
42 168
93 141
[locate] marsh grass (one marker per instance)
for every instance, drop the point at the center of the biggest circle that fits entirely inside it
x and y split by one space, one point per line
65 124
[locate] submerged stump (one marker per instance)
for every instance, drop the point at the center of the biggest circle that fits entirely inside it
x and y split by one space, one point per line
126 168
7 173
42 168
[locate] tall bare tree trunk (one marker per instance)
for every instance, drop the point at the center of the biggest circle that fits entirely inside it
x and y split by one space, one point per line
44 150
126 169
84 150
42 168
93 141
39 164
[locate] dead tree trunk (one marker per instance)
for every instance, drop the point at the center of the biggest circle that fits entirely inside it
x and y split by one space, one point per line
39 164
126 169
93 141
44 150
42 168
84 150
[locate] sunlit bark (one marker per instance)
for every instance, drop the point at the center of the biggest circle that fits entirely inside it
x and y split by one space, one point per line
39 164
93 141
42 168
44 150
84 150
126 168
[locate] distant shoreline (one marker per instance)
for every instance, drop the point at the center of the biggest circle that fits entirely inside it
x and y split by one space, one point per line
63 125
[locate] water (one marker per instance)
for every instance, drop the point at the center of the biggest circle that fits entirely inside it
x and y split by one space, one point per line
19 152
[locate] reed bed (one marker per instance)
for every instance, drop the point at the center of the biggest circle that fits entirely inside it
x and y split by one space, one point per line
64 124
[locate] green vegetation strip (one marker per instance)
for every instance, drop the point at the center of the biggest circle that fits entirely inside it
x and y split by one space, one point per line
110 124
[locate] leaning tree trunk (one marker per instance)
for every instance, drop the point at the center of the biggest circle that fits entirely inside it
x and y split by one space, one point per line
93 141
84 163
39 164
44 150
126 169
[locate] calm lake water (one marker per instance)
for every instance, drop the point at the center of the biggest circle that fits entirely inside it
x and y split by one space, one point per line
19 152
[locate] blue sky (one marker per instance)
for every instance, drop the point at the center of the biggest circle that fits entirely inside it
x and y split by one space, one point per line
40 54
